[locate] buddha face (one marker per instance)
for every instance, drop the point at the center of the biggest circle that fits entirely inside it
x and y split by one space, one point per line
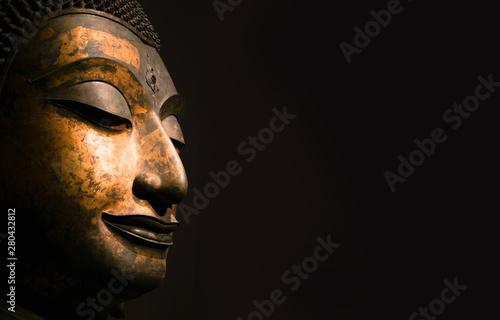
90 157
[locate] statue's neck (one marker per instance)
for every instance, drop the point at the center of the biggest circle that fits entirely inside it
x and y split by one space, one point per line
6 312
21 313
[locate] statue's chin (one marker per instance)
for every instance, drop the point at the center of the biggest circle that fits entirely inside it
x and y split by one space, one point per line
131 278
130 270
140 285
97 298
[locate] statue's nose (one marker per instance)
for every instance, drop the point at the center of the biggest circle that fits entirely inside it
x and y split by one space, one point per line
152 186
162 180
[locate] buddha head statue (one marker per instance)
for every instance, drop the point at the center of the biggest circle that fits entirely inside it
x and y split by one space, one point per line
89 160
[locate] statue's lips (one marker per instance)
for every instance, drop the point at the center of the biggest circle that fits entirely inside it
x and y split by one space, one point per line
142 229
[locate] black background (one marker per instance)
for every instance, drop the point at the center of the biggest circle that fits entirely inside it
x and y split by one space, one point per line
323 175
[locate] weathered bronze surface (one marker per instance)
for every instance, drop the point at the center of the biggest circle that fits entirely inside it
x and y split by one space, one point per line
90 142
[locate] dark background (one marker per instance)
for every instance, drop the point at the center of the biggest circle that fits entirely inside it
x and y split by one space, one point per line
323 175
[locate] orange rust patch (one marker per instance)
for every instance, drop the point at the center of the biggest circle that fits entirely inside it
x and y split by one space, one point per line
47 33
75 41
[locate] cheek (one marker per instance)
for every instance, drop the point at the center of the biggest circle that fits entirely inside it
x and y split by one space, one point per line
106 165
73 164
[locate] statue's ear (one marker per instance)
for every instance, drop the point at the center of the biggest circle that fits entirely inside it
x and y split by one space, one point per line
118 311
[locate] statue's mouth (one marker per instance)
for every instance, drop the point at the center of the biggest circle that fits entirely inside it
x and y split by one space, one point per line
142 229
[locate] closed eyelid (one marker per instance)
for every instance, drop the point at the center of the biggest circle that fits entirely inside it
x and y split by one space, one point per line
170 112
95 115
97 94
173 129
172 105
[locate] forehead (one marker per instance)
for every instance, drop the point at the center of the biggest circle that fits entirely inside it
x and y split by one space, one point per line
74 37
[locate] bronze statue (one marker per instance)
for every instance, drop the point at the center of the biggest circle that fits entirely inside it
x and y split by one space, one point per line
90 138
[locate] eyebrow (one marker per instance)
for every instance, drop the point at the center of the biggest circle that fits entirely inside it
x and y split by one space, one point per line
72 64
80 37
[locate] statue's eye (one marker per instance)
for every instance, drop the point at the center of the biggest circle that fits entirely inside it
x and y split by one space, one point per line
172 108
97 102
178 146
173 130
95 115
